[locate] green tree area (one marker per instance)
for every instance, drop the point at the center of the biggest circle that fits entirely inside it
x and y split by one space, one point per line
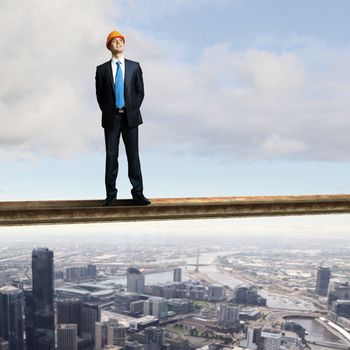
209 334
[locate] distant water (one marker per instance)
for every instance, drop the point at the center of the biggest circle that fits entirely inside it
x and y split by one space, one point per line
316 330
273 300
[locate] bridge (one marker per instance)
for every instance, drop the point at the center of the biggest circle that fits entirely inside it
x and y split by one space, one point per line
88 211
278 314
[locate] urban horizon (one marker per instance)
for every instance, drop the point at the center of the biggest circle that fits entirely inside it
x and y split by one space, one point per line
236 284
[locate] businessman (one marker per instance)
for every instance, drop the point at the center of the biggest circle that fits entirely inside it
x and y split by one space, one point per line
119 92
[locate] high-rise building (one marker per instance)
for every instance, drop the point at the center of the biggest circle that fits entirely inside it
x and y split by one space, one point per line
215 293
177 274
342 308
196 294
68 312
118 333
135 280
156 306
67 338
29 318
136 308
91 271
109 333
123 300
58 275
155 290
323 278
180 306
72 273
253 339
153 338
229 317
248 294
271 339
80 273
337 291
11 317
42 299
90 314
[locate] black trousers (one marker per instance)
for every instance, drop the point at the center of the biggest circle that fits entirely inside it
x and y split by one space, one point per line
131 141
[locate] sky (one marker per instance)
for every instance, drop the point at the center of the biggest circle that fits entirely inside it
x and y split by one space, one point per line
242 97
318 228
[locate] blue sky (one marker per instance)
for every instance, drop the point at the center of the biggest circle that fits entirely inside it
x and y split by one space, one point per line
242 97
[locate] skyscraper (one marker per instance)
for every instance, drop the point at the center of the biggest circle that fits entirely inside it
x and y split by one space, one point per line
271 339
342 308
153 338
68 312
11 317
338 290
216 293
135 280
323 278
90 314
109 333
123 301
229 317
253 339
42 299
29 319
156 306
177 274
67 337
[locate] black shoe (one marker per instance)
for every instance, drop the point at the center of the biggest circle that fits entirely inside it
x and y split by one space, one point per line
140 199
108 202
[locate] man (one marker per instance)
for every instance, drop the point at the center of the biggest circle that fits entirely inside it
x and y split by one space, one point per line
119 92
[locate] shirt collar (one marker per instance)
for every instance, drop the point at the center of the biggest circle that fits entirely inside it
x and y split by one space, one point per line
121 59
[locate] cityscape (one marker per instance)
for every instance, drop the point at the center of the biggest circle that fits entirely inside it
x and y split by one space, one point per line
188 291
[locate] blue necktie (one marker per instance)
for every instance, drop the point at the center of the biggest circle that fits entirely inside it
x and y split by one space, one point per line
119 87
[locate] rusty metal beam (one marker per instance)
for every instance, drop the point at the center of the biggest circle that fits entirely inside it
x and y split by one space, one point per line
88 211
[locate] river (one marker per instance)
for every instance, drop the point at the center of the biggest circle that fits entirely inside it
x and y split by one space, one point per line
314 329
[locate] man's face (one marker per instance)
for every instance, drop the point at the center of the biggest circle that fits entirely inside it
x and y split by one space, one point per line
116 45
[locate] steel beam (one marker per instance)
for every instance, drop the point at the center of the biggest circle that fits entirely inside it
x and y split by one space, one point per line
89 211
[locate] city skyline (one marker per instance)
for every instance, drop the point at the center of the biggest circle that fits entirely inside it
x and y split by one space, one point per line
239 278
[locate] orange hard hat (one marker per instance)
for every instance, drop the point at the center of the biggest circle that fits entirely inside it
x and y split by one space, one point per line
113 35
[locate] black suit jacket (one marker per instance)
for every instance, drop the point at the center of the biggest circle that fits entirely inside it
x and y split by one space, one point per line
133 93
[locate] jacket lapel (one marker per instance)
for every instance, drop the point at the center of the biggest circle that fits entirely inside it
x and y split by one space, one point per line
126 77
110 74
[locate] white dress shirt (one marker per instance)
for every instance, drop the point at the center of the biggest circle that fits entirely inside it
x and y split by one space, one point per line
115 66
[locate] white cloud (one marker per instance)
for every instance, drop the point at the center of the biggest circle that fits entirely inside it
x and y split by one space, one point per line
290 103
275 144
48 55
253 104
